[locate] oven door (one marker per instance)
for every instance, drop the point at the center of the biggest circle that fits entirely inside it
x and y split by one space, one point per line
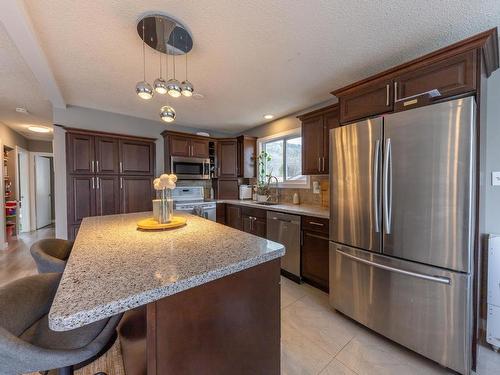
190 168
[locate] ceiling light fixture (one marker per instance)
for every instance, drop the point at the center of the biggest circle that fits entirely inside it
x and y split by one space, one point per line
168 37
144 89
268 117
39 129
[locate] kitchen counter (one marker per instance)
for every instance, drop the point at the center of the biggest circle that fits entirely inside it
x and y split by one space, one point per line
114 267
298 209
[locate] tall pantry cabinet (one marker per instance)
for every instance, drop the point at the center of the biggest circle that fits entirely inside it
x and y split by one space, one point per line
107 174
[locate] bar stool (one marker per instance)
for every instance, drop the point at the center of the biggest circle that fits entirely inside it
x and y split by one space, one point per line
51 254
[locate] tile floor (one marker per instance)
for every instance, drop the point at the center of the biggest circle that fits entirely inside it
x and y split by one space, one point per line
314 338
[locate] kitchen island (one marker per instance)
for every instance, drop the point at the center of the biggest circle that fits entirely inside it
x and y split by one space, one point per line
203 298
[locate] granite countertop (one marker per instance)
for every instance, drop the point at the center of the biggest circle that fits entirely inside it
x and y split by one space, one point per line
114 267
298 209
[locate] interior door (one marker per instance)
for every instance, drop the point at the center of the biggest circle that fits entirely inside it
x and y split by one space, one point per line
355 164
428 159
42 192
23 180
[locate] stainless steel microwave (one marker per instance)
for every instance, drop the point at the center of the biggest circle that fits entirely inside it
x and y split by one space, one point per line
190 168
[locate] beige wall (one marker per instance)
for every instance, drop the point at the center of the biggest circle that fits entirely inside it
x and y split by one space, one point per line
39 146
11 138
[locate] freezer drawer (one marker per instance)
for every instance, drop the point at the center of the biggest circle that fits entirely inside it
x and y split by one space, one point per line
424 308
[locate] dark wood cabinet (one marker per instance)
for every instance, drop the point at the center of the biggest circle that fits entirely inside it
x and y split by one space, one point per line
254 221
107 195
453 76
220 213
136 193
227 159
80 153
246 156
137 157
314 253
107 155
315 139
81 198
227 189
107 174
179 145
233 216
199 148
370 99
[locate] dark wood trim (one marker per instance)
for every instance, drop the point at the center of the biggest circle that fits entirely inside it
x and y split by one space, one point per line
487 41
105 134
190 135
320 111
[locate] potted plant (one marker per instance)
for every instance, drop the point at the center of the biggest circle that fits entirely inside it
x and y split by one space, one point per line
263 190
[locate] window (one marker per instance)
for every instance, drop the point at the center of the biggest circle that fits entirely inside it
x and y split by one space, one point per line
285 151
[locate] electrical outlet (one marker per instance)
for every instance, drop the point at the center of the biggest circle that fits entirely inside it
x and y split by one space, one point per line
495 178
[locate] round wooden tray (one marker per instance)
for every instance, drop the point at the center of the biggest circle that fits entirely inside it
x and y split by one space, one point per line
152 224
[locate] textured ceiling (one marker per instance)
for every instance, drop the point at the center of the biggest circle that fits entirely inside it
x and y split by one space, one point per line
249 57
18 87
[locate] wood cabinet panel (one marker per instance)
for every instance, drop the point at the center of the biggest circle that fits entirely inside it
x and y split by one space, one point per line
246 155
233 216
136 194
371 99
81 153
316 224
81 198
453 76
220 213
254 221
227 189
314 259
199 148
179 145
312 145
107 195
330 121
107 155
227 159
137 157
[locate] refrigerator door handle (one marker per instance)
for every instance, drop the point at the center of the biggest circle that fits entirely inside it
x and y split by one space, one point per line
375 185
437 279
387 188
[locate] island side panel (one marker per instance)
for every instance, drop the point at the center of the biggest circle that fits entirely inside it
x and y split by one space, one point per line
227 326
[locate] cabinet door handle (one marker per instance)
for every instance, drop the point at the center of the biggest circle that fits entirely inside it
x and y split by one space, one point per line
323 166
98 183
387 88
316 223
319 163
97 165
93 183
121 167
121 182
92 166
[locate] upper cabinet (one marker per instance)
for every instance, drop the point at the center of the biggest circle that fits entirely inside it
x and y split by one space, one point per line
449 72
246 155
137 157
227 166
184 145
370 99
107 155
315 139
81 155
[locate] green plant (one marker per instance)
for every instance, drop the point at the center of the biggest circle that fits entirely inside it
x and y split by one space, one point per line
262 160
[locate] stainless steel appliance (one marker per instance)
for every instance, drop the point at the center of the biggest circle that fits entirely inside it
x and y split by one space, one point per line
191 199
401 227
285 229
245 192
190 168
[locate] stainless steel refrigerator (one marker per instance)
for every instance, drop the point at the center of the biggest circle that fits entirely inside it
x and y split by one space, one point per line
401 227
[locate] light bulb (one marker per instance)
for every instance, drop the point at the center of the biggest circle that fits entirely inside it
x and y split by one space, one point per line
187 88
167 113
160 86
144 90
174 88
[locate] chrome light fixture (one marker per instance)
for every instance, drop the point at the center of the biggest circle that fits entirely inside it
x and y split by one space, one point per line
159 84
186 86
174 88
144 89
167 113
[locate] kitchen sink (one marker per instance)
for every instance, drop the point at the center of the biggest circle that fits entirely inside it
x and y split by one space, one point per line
267 203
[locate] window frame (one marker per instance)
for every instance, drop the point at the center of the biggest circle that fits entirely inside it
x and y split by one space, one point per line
289 134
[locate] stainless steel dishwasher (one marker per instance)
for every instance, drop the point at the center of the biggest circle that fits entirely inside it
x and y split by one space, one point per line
285 229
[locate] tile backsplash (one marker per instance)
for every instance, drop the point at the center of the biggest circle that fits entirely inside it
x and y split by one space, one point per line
306 196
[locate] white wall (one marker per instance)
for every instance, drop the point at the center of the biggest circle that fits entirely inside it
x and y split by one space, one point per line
90 119
492 198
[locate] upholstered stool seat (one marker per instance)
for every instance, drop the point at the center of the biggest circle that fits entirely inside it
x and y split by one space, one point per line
51 254
27 344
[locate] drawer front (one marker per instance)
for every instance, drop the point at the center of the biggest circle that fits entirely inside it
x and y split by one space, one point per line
256 212
453 76
316 224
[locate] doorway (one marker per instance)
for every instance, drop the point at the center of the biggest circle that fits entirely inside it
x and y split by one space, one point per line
43 190
23 190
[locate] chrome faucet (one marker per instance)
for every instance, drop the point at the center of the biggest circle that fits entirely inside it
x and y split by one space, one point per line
276 198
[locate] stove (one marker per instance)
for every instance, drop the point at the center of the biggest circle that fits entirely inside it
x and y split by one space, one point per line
191 199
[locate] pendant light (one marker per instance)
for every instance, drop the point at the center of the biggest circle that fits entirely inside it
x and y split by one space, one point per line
173 85
186 86
167 113
160 85
144 89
